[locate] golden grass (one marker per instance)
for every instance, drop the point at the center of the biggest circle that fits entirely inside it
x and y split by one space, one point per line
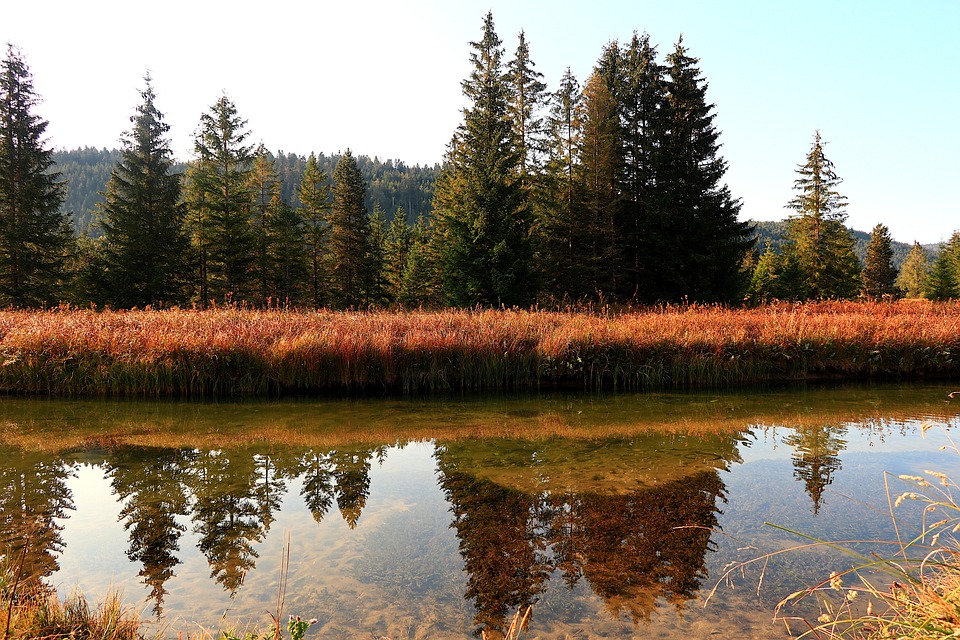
226 352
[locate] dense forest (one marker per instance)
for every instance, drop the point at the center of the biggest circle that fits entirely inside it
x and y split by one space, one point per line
391 184
607 191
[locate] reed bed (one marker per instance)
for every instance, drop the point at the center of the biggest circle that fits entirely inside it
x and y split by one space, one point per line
240 352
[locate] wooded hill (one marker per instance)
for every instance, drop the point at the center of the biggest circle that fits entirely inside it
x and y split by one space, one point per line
775 232
389 183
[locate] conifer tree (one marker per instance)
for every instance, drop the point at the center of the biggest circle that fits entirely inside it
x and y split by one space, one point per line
943 281
707 243
642 102
351 274
478 203
822 246
912 279
379 286
600 171
287 253
263 181
315 211
422 283
220 203
879 275
34 236
145 244
526 98
399 242
559 217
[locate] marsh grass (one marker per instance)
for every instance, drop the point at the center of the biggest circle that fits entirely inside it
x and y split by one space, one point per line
241 352
909 589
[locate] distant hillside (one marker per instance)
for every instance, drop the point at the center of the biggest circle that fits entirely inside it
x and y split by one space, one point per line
775 233
390 183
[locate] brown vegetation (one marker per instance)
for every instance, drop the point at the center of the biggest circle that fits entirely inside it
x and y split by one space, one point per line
224 352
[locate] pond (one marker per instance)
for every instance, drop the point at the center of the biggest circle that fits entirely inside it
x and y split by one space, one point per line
613 515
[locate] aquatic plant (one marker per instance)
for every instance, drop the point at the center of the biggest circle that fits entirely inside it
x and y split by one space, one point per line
231 352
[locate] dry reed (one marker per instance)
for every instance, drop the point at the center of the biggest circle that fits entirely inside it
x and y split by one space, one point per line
237 352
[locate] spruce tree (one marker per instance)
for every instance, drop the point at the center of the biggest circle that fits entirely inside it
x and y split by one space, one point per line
942 279
264 183
706 242
600 169
559 223
145 244
527 95
399 241
642 102
879 275
220 203
35 237
478 203
315 211
822 246
351 273
288 275
912 279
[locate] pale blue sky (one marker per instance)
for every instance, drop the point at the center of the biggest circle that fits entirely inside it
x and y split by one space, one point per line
878 79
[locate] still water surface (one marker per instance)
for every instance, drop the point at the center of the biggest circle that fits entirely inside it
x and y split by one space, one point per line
614 516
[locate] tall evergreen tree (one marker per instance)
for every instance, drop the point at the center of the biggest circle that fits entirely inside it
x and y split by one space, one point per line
221 199
527 91
707 243
478 202
879 275
351 275
399 242
600 171
822 245
34 236
642 107
559 217
145 243
288 257
315 210
263 183
912 279
943 281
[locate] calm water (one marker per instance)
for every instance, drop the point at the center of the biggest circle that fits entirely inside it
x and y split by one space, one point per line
614 516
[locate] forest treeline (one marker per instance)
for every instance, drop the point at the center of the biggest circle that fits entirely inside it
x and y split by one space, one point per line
609 191
391 184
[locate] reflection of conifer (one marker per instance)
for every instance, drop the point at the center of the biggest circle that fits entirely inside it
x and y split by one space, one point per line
816 456
650 544
33 496
353 482
502 546
317 490
226 516
269 487
149 482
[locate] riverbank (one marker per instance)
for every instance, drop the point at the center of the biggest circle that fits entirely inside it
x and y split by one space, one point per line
237 352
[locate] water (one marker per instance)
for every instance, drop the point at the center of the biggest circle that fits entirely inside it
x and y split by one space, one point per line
614 516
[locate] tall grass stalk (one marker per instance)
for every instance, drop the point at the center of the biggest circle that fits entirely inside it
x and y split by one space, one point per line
229 352
910 593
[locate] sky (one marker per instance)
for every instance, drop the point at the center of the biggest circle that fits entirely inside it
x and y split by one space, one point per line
878 79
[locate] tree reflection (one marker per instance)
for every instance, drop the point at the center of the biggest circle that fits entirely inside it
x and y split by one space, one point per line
33 497
227 514
150 482
816 457
648 544
500 541
635 548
